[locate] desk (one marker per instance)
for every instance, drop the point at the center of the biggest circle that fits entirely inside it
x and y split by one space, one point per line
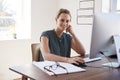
104 73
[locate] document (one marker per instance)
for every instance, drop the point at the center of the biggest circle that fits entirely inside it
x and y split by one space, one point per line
55 68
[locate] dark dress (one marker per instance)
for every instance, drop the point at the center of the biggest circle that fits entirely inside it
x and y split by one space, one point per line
58 46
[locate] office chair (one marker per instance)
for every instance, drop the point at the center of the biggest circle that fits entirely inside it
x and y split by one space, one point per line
35 48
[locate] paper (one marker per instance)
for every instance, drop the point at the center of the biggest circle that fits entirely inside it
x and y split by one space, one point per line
59 70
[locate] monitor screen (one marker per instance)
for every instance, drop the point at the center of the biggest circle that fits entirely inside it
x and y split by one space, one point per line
104 27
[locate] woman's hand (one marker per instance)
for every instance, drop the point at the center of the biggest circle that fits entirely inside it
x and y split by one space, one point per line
69 29
75 60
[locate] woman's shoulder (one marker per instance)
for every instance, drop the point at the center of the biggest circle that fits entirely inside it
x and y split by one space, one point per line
67 35
48 31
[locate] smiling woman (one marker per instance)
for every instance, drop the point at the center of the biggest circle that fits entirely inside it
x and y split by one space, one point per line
15 19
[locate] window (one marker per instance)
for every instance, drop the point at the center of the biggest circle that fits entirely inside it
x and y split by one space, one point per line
15 19
110 6
105 6
118 5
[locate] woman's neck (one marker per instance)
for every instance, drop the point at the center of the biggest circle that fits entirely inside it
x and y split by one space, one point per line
58 32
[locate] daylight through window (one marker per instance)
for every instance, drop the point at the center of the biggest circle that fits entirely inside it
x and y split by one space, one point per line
15 19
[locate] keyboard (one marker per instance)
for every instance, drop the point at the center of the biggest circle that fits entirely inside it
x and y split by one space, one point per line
87 60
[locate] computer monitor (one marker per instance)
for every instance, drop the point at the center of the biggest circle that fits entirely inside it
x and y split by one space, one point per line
104 27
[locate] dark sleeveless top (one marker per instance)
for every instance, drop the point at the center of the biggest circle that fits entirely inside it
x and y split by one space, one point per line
58 46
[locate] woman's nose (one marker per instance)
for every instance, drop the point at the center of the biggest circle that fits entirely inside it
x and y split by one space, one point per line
65 24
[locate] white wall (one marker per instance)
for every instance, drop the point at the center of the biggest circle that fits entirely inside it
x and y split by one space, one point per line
43 17
17 52
14 52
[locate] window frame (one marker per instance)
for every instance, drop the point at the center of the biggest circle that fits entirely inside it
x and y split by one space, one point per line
118 5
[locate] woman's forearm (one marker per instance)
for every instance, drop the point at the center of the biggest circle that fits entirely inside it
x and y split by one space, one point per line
53 57
77 45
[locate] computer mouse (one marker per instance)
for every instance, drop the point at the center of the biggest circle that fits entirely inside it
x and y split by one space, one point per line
80 64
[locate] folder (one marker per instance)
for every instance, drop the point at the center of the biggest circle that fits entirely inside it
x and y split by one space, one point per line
64 69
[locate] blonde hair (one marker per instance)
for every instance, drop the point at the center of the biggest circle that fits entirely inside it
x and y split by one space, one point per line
63 11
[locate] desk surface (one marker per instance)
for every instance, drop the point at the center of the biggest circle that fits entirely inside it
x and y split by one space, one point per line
91 73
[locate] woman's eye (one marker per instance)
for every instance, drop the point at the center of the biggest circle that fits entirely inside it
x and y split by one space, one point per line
67 21
62 20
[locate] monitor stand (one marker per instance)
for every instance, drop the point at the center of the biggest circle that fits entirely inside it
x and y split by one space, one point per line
116 39
112 64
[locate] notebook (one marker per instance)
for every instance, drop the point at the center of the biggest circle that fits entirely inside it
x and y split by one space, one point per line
66 67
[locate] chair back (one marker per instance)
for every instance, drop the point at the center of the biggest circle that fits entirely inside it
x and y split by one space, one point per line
35 47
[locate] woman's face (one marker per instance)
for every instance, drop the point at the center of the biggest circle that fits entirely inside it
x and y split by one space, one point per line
63 21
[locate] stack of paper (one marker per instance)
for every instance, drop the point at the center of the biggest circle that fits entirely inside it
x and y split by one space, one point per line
69 67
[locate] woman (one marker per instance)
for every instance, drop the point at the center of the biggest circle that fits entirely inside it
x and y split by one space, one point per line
56 44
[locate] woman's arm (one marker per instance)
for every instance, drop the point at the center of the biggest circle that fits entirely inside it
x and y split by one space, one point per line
76 44
48 56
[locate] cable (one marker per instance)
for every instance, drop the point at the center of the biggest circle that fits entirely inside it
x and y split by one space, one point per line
107 59
102 66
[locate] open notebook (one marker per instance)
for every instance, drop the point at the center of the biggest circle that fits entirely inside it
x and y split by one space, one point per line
66 67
